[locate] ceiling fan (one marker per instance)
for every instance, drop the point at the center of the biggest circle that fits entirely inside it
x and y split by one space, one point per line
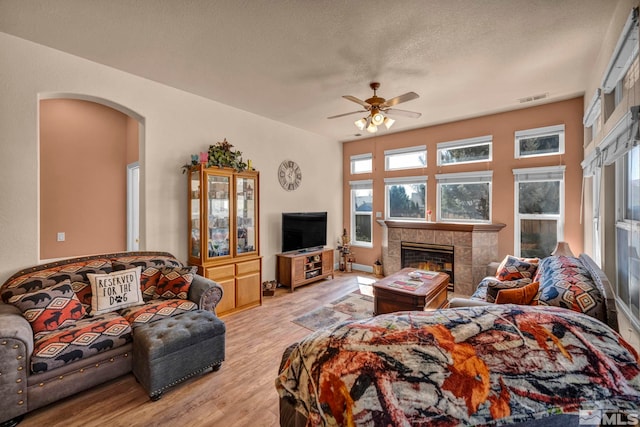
378 108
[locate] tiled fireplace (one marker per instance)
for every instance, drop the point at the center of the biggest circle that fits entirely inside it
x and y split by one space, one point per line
474 246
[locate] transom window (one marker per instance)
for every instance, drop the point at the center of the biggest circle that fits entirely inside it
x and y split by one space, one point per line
362 163
464 197
539 210
465 151
405 158
405 198
361 212
540 141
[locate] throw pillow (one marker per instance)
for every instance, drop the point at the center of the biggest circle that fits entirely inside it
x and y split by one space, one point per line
494 286
523 296
149 275
50 308
116 290
512 268
175 282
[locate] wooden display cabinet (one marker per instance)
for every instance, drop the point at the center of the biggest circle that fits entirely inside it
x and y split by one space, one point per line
223 233
297 269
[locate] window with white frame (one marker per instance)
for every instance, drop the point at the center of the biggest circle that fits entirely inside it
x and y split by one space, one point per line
361 212
592 115
543 141
361 163
465 151
539 210
405 198
464 197
622 59
628 232
405 158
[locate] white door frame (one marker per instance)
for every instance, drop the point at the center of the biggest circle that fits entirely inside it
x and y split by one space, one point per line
133 206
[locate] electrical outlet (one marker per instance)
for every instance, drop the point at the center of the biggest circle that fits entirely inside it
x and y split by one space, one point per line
61 236
378 214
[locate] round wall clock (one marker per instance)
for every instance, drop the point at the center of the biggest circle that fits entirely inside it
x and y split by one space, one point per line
289 175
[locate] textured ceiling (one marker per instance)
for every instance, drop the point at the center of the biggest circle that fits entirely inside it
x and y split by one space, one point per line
292 60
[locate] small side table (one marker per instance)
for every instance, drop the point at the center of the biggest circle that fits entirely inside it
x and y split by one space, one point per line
397 292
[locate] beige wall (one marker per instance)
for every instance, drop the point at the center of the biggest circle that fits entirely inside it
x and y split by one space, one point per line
83 159
502 126
175 124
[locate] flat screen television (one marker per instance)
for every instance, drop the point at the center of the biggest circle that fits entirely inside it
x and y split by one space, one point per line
303 230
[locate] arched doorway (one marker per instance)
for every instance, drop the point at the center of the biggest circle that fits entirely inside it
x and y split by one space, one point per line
88 152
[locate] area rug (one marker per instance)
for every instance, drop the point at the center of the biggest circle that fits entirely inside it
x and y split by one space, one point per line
354 306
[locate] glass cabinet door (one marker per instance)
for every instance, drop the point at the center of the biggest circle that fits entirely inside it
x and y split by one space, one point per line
246 215
218 215
194 217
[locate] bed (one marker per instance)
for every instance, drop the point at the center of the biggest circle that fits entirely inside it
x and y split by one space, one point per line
489 365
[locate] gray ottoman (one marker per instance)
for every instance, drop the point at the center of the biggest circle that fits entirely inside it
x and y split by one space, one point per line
171 350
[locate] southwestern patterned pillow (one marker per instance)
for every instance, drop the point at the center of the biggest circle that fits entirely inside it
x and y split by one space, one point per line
512 268
175 282
151 266
565 282
51 308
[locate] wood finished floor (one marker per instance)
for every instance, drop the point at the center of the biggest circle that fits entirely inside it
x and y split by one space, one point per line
241 393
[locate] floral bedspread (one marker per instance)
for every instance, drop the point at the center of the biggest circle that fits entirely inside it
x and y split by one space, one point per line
474 365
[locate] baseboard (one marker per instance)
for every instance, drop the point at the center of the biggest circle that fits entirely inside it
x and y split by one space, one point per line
362 267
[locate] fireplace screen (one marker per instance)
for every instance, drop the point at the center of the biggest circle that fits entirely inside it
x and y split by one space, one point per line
427 256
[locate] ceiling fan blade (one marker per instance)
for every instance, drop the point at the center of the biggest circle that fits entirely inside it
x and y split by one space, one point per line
357 101
395 112
346 114
398 99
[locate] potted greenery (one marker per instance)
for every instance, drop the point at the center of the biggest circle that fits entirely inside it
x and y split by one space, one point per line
222 155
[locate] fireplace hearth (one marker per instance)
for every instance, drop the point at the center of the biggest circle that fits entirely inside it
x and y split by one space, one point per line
428 256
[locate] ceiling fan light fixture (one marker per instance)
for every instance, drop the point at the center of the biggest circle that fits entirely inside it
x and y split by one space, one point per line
360 124
372 128
377 118
388 122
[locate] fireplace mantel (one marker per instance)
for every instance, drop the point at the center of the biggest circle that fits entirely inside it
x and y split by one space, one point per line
448 226
475 245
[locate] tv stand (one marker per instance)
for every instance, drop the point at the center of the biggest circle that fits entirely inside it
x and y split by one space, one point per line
299 268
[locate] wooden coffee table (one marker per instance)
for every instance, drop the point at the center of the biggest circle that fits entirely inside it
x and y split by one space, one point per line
399 292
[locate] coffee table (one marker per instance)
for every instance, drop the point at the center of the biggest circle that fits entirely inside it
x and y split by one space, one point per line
400 292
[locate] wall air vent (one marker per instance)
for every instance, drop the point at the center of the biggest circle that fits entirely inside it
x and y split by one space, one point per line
533 98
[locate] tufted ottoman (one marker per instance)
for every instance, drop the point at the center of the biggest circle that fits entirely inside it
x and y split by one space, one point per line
171 350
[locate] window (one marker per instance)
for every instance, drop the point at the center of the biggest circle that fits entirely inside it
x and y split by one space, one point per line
539 210
405 158
628 231
622 59
625 52
540 141
465 151
591 118
405 198
362 163
361 212
464 197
